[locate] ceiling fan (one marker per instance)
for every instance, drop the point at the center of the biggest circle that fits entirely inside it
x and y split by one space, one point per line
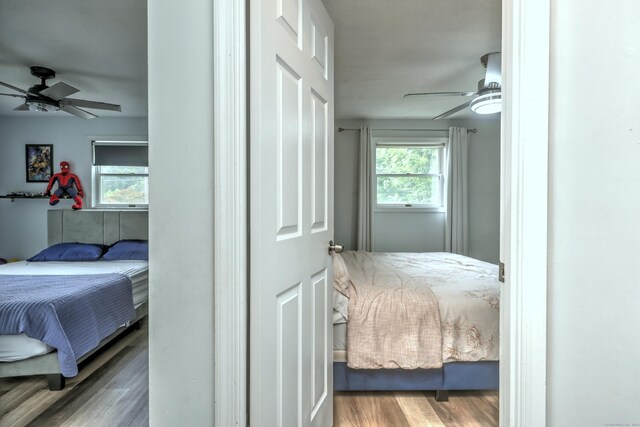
41 97
488 97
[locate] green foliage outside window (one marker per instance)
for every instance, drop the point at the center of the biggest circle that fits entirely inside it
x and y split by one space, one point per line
408 175
127 185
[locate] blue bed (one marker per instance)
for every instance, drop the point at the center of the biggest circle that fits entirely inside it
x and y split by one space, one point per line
107 307
452 376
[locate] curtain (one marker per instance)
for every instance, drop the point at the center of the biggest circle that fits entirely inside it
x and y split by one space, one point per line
457 216
365 213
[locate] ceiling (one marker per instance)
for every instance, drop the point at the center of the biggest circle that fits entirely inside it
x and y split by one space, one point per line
383 49
386 48
97 46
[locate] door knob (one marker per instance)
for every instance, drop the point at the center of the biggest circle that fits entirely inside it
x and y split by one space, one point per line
333 248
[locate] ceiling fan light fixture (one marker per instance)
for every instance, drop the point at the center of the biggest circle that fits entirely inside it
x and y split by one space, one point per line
488 103
42 105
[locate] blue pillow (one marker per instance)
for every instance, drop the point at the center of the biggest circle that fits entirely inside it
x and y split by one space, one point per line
69 252
128 250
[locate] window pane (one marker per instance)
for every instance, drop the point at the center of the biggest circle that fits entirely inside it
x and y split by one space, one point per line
394 190
123 169
407 160
124 189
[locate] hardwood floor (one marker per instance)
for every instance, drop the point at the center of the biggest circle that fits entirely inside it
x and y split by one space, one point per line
413 409
110 390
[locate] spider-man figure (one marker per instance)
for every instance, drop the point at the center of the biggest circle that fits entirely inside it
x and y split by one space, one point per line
66 181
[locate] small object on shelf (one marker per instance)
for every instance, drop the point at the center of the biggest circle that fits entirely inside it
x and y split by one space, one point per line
25 195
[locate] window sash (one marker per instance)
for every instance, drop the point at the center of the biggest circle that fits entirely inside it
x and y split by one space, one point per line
122 174
438 204
437 198
102 195
116 152
98 189
417 175
436 165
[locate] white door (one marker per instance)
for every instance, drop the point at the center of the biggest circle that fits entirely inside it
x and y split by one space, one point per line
291 213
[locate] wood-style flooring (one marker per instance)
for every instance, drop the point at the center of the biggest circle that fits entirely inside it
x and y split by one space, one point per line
112 390
415 408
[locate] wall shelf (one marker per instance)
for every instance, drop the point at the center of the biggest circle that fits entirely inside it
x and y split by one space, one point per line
14 197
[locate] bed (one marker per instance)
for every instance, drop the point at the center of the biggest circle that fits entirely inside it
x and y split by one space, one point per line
21 355
415 321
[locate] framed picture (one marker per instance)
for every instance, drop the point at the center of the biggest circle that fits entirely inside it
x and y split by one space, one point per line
39 162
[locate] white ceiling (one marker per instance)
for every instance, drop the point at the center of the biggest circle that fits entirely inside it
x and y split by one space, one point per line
97 46
386 48
383 49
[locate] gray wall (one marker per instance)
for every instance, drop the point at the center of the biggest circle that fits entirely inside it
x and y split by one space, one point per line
594 206
23 224
423 232
181 258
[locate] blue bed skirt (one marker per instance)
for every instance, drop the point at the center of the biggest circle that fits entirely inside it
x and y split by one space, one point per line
452 376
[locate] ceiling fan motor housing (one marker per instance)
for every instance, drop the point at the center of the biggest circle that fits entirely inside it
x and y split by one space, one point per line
493 76
44 74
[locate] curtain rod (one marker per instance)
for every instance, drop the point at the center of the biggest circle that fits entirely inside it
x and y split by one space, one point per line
474 130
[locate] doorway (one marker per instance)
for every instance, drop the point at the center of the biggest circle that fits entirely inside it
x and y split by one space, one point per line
526 30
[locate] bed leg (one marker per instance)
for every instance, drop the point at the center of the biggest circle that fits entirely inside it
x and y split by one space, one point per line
442 395
138 325
56 382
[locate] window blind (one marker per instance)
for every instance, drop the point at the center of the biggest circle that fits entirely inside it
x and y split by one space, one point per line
120 153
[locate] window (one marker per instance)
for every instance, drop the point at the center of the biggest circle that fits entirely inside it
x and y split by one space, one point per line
409 174
120 174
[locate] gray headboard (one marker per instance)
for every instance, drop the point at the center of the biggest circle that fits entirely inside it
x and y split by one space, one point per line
93 226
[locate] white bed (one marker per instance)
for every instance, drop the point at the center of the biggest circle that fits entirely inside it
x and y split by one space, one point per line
382 293
32 357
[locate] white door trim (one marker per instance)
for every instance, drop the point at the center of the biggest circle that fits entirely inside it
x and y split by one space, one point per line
525 135
230 211
525 124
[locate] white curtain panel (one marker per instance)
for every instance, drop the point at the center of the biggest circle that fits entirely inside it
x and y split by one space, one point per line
365 212
457 223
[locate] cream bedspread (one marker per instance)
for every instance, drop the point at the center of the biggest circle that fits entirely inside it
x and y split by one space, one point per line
392 321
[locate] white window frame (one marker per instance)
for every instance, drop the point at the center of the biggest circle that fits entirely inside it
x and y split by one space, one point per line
96 174
432 142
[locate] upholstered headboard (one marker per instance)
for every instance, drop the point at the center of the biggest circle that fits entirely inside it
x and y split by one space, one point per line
93 226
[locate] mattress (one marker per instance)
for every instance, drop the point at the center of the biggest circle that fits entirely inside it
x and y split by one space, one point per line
467 291
18 347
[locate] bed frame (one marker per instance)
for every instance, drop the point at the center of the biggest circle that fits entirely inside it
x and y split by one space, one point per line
83 226
452 376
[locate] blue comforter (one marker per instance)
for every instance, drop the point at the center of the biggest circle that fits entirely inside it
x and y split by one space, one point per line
69 313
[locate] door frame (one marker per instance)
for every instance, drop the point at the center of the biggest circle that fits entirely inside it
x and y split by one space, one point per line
231 204
524 188
524 135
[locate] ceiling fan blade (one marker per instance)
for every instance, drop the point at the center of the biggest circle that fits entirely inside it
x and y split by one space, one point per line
440 94
11 94
13 87
59 91
452 111
78 112
21 107
91 104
